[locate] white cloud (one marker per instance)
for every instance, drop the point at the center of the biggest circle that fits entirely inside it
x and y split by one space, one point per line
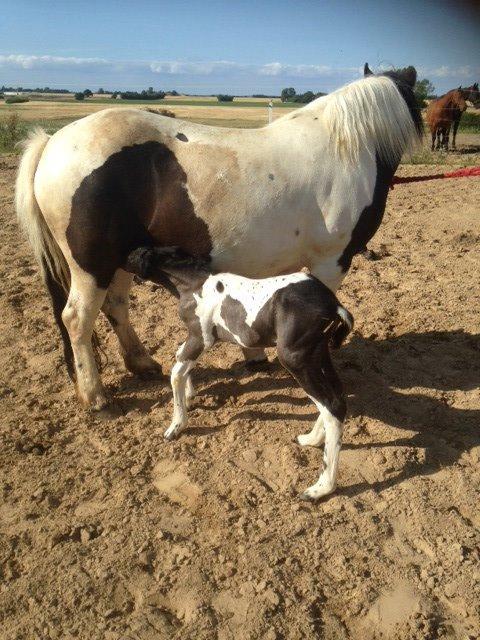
444 71
30 62
177 67
303 70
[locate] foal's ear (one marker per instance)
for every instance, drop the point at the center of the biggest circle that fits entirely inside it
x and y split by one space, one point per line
140 262
366 70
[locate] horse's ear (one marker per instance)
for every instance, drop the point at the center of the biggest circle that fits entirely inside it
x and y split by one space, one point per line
409 75
366 70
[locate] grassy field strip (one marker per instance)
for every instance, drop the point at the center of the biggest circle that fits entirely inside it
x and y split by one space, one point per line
41 109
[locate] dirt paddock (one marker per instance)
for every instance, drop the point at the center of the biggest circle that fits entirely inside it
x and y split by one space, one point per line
108 532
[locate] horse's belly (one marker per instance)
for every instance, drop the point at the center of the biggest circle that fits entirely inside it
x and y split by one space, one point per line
279 248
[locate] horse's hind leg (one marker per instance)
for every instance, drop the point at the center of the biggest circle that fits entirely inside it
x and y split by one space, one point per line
83 305
115 307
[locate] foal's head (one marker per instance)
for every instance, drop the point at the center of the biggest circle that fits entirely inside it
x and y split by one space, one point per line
170 267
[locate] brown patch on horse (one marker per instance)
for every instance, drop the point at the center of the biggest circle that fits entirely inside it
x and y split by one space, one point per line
137 197
212 184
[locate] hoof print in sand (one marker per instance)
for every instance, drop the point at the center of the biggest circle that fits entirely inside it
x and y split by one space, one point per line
169 479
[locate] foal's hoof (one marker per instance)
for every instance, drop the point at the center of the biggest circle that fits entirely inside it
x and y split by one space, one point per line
306 497
172 433
313 495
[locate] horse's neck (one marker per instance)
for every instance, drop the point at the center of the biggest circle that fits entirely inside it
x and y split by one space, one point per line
455 99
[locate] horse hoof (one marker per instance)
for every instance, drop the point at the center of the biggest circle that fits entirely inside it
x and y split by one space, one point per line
110 411
144 367
257 365
153 373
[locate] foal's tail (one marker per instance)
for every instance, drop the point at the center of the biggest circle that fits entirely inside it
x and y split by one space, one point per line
343 328
53 266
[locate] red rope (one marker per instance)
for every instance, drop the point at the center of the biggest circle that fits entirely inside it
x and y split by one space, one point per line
466 172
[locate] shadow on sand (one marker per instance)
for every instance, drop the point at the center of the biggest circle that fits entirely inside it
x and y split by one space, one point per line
385 380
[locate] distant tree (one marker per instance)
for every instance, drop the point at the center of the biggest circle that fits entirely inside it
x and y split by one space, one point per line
423 90
223 97
287 94
101 92
87 93
172 93
115 94
79 95
143 95
305 98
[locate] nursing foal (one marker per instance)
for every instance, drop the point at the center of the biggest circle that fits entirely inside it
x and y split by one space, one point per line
296 313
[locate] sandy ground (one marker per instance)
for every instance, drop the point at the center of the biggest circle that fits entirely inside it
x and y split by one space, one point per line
41 110
108 532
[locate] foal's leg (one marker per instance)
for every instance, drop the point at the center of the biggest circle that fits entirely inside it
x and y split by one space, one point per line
115 307
186 356
315 437
83 305
189 391
315 373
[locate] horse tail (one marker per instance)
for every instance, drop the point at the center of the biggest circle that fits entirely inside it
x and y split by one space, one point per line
343 328
53 266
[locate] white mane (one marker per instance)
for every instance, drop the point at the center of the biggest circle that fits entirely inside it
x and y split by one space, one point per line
369 113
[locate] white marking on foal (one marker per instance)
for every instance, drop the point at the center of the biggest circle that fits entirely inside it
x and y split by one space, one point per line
327 481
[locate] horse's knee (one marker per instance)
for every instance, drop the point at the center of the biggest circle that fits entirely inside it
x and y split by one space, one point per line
72 322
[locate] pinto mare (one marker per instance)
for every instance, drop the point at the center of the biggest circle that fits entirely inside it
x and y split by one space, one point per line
308 190
446 111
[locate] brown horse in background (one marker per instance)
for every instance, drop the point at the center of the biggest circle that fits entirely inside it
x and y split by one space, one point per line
446 111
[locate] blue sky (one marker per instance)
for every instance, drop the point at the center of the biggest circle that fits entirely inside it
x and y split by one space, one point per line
240 47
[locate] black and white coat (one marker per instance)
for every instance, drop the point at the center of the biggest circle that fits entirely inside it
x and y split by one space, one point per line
296 313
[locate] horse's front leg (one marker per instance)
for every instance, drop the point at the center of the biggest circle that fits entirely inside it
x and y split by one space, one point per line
329 271
454 137
446 138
